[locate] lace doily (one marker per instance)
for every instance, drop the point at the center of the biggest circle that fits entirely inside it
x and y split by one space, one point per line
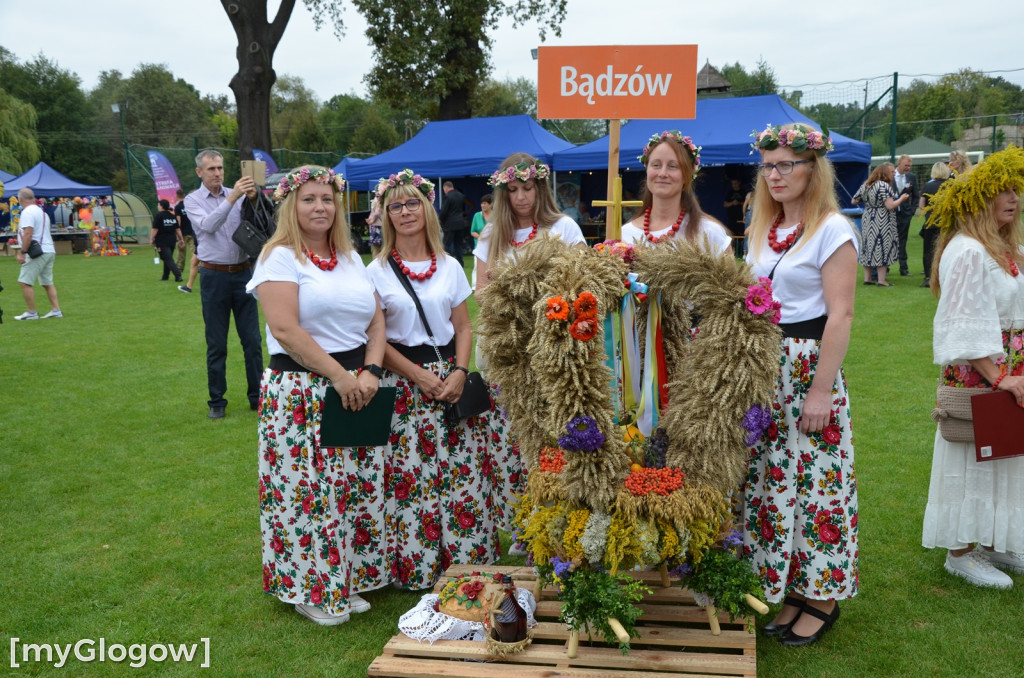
422 622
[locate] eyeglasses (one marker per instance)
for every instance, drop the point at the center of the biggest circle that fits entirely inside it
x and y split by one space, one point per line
785 167
412 205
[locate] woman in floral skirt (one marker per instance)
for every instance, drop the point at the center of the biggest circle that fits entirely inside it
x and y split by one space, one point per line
800 521
449 485
324 330
979 341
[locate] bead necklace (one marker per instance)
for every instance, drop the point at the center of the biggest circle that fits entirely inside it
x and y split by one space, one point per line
533 234
1013 266
659 238
415 276
320 263
773 240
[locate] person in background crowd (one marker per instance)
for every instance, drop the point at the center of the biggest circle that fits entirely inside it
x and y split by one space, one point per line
452 482
940 172
324 330
734 200
164 236
959 164
978 339
452 220
35 226
187 234
480 220
224 272
904 181
800 509
879 236
670 202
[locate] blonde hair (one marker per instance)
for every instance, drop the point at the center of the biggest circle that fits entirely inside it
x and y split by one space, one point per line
503 219
962 161
940 170
688 198
387 228
820 201
1000 243
289 234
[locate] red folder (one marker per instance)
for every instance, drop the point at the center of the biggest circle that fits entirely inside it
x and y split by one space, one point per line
998 426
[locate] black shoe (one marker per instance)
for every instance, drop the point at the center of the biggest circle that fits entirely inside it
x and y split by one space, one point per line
905 274
926 283
254 404
793 640
772 629
216 411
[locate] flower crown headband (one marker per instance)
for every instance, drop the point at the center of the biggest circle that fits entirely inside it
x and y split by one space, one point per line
799 137
519 172
321 175
676 136
970 192
406 176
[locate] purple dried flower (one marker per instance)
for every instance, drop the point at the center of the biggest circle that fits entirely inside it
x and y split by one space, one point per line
582 435
733 539
755 421
680 571
562 567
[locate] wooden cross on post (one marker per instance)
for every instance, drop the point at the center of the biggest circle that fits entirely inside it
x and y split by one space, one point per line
614 203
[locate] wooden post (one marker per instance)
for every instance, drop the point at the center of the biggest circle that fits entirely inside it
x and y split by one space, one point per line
665 581
716 629
755 604
614 203
574 643
618 630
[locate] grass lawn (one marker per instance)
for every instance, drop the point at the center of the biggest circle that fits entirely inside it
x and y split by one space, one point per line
125 514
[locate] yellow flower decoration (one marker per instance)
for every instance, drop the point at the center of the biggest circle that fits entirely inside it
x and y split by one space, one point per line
969 193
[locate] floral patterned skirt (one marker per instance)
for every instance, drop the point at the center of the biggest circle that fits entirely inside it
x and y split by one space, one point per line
971 502
448 486
319 507
800 509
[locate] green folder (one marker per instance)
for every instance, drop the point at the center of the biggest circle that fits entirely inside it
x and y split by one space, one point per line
367 427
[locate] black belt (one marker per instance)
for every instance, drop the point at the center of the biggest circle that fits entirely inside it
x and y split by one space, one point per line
350 360
805 329
226 268
424 353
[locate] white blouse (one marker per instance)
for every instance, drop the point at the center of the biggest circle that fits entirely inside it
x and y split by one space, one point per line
797 280
335 307
438 295
978 300
721 241
565 228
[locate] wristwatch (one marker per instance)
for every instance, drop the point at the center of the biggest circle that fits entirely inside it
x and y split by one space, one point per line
375 370
462 369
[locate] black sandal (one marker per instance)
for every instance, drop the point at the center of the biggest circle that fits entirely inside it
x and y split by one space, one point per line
771 629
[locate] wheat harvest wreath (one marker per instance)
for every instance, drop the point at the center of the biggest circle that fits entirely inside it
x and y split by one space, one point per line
636 380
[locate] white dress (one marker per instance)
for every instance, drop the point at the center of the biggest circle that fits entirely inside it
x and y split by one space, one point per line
980 315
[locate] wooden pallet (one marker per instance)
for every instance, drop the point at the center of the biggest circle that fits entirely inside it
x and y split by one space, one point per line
674 641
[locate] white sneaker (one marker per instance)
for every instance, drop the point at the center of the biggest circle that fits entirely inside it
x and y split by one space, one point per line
1011 560
318 616
357 604
54 314
28 315
976 568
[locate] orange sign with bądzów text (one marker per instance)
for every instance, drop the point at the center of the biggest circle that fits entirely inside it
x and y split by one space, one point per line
617 81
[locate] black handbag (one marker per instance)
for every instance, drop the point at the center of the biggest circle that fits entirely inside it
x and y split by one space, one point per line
476 396
35 250
255 228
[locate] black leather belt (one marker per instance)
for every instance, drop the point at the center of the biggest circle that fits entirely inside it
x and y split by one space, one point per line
350 360
805 329
424 353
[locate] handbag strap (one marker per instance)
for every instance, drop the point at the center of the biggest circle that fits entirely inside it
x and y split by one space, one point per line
416 300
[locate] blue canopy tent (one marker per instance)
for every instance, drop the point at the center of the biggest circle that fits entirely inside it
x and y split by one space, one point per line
47 182
5 177
723 129
460 148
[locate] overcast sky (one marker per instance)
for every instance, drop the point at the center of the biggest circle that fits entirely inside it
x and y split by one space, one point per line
193 38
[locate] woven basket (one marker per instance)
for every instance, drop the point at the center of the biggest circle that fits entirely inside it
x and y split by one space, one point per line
953 413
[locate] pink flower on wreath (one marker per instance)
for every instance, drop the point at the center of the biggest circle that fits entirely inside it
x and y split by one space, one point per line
758 299
774 312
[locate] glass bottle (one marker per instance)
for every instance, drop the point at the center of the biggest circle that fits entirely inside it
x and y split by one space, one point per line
508 618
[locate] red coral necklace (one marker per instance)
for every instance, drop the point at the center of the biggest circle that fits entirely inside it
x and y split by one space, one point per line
415 276
533 234
773 240
659 238
1013 266
320 263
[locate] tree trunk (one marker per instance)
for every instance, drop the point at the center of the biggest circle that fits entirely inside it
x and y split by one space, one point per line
257 40
467 65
